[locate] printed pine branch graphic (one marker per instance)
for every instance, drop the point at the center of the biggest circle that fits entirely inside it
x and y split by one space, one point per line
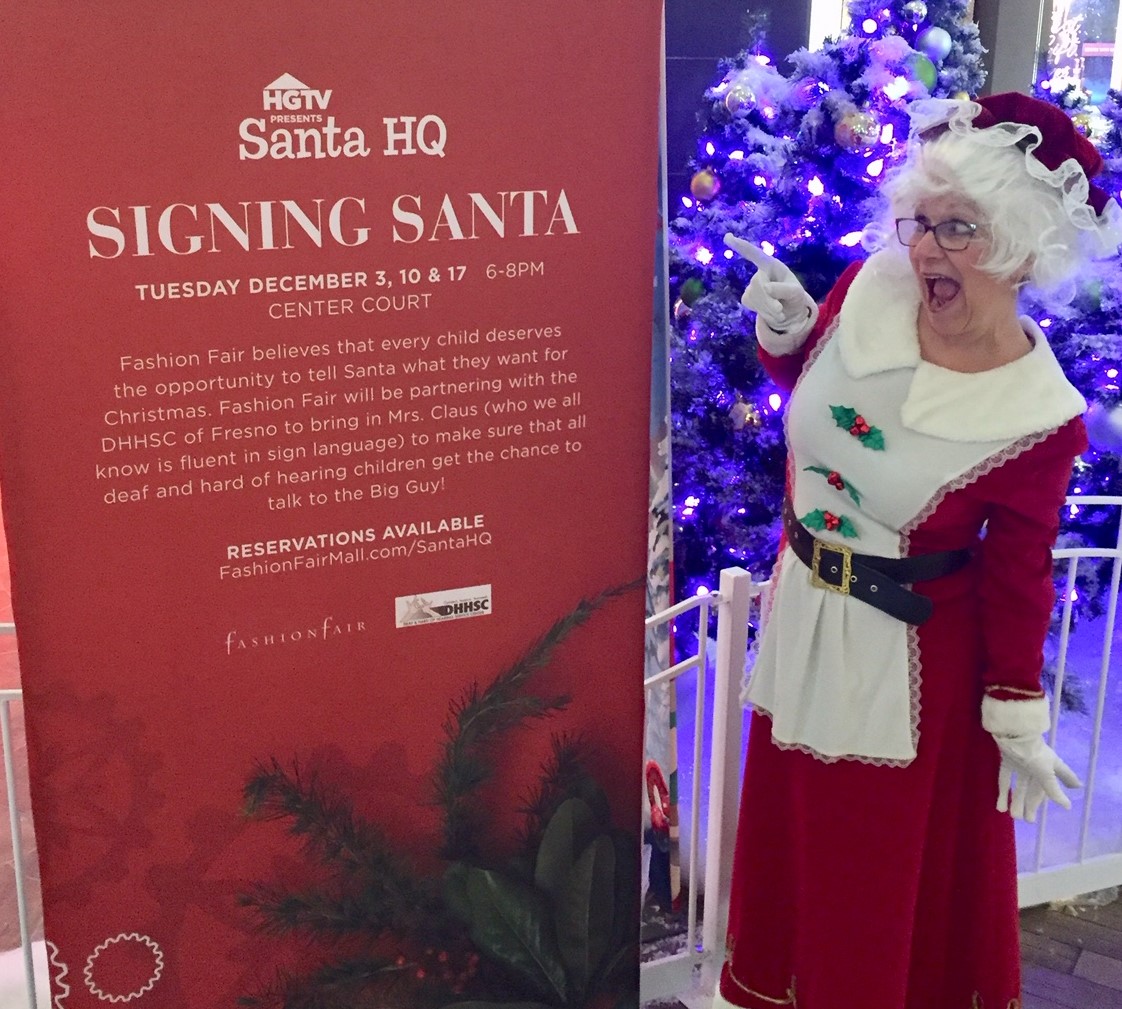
556 926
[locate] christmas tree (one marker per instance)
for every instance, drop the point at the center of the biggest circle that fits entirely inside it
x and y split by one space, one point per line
793 163
1082 323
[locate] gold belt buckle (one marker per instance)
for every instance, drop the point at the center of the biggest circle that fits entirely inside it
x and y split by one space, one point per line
846 564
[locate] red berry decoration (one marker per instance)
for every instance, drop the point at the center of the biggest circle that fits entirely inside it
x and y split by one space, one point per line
834 480
859 427
832 521
849 420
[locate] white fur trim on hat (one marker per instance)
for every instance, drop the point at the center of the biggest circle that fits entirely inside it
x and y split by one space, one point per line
1068 180
1016 718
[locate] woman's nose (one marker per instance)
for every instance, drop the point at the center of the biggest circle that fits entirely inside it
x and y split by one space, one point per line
927 245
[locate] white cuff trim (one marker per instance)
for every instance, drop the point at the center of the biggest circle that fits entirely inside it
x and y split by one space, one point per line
781 344
1016 718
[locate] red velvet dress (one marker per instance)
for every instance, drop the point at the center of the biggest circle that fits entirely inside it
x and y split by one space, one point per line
864 886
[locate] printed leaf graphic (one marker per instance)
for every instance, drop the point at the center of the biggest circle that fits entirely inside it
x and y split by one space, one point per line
848 529
626 930
568 833
510 923
454 891
844 416
584 911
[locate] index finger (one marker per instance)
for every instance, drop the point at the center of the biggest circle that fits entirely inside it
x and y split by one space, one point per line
754 254
1067 775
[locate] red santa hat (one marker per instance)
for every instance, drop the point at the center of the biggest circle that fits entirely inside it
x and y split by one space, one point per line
1057 138
1055 153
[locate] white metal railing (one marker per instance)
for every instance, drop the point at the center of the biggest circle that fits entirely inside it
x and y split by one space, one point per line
671 975
7 698
1080 872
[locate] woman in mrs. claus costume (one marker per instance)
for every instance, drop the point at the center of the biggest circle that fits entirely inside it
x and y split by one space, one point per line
932 427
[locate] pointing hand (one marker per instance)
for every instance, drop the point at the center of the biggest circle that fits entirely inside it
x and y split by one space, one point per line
774 292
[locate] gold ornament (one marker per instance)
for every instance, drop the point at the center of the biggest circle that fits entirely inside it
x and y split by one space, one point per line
961 96
857 129
1083 123
705 185
744 414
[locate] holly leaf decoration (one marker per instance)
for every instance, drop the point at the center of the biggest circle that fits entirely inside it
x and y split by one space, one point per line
874 439
815 519
846 485
846 416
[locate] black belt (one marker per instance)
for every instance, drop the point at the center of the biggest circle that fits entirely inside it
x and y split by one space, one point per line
878 581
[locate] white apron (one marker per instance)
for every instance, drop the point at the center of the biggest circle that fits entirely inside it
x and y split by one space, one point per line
838 677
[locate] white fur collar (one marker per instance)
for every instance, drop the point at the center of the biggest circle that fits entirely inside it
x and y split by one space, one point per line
877 332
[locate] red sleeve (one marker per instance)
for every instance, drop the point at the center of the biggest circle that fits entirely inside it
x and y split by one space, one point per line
786 369
1023 499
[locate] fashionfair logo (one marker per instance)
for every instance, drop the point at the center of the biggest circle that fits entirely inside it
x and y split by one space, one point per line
452 604
295 126
311 632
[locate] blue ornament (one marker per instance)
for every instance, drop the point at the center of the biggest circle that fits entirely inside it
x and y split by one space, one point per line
1104 427
935 43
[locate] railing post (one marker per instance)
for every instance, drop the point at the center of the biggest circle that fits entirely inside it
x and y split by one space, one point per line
17 850
724 762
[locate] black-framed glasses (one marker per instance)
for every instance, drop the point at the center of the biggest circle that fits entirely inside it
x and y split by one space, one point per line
952 236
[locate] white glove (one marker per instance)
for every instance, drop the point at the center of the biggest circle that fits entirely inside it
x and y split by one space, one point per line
785 313
1039 773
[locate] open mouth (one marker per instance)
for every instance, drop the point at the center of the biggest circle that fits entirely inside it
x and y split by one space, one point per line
941 291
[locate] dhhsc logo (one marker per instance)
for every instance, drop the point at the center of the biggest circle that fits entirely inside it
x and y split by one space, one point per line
299 129
453 604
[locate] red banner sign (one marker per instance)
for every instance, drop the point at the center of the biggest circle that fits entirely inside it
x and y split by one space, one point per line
324 420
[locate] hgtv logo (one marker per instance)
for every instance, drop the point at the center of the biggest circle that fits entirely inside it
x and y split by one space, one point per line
451 604
296 127
287 93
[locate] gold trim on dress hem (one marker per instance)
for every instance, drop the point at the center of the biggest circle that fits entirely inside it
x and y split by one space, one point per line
791 999
994 688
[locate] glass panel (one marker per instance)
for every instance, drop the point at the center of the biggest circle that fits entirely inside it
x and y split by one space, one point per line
1082 46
